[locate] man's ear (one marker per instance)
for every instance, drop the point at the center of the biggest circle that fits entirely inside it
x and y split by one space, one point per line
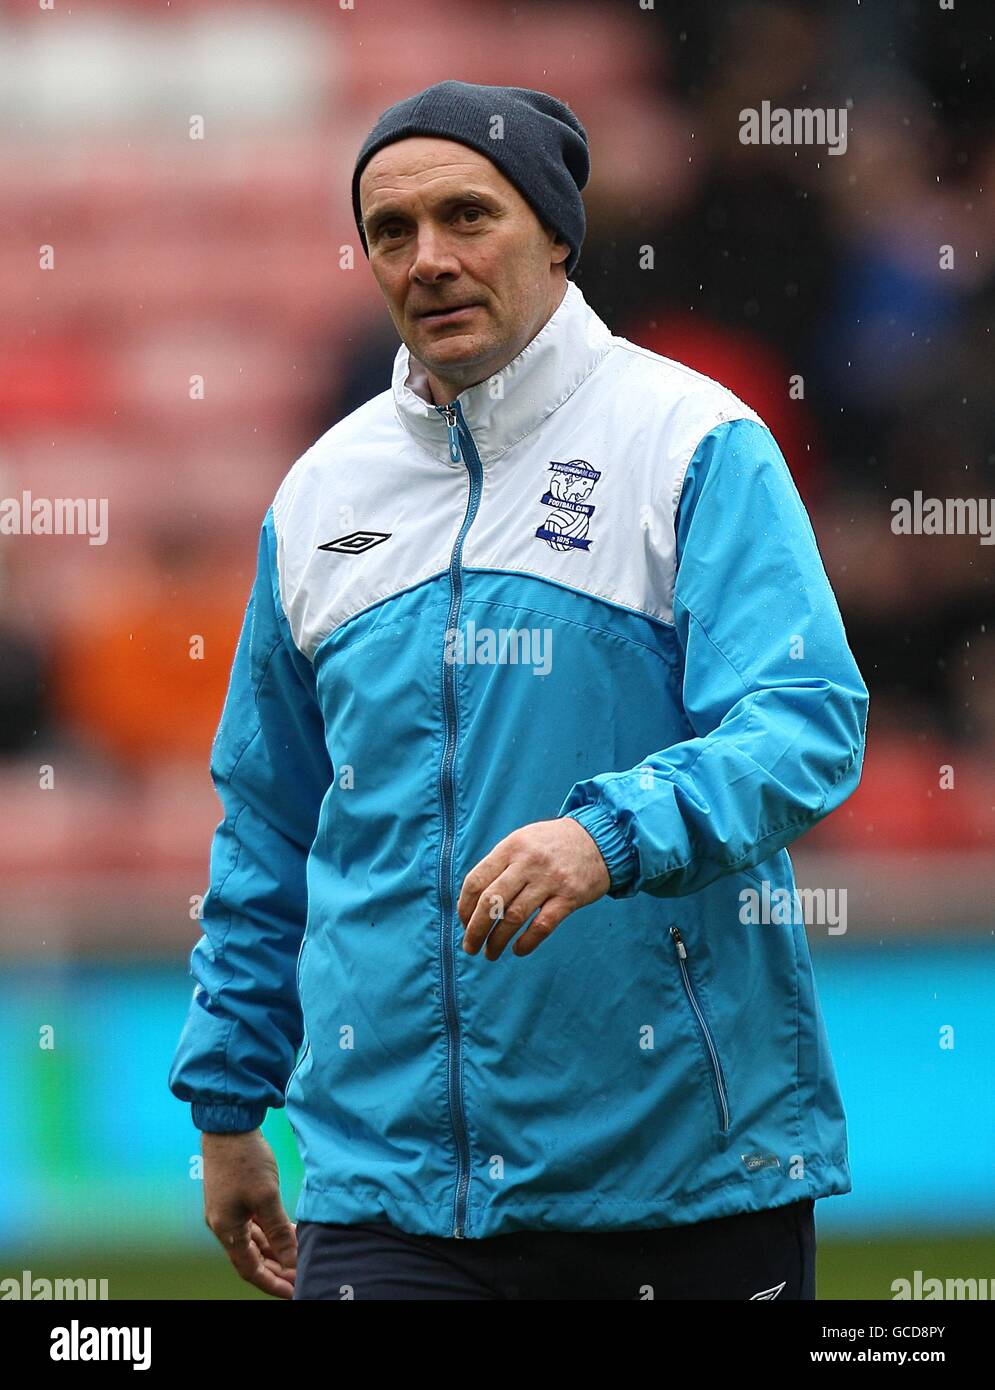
560 247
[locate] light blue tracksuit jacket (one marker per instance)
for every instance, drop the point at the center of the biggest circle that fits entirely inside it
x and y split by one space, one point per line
588 588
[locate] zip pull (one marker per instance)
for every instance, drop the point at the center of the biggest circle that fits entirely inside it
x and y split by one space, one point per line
449 411
682 950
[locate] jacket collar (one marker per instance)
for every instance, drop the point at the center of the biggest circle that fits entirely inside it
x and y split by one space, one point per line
544 374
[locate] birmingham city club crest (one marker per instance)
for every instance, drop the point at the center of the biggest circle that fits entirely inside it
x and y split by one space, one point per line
565 527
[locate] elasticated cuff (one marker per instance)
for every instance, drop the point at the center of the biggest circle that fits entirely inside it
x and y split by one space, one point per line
618 856
227 1119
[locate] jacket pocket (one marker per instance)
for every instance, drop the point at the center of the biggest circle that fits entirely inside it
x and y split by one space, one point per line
718 1080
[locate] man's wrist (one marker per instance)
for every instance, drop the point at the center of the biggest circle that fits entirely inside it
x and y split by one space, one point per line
620 859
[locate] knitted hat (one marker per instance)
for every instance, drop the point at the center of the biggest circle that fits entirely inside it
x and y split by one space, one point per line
539 145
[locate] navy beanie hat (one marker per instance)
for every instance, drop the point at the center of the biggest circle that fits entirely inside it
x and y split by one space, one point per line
539 145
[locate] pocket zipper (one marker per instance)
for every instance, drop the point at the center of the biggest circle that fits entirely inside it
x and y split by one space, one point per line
300 1062
305 1039
682 955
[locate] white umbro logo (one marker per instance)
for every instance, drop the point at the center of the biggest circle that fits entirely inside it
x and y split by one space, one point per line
768 1293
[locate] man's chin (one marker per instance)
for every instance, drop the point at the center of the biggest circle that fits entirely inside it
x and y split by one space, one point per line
451 350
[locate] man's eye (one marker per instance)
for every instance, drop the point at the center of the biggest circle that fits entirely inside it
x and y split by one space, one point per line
390 231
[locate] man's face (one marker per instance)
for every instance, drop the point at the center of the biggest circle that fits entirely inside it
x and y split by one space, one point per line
448 232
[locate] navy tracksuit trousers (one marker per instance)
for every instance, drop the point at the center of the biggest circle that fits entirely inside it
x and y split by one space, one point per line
756 1255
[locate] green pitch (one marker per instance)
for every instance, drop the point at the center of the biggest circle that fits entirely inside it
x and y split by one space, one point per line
862 1269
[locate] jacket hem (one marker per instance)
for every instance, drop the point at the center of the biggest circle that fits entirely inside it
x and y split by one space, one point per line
585 1213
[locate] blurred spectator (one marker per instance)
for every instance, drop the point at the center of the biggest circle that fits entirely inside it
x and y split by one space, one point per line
217 266
24 698
143 670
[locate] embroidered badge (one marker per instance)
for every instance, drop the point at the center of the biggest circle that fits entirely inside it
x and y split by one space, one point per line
566 525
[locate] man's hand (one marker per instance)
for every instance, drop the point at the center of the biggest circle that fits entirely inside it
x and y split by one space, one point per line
553 865
242 1207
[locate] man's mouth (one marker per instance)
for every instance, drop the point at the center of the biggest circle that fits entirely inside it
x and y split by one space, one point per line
452 311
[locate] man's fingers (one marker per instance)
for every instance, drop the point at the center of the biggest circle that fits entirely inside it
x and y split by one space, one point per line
278 1231
480 876
516 914
263 1248
491 904
287 1272
550 917
247 1258
267 1275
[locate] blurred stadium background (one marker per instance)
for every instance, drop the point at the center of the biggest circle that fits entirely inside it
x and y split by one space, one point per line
220 257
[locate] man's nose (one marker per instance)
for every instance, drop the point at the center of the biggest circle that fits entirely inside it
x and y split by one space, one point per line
433 256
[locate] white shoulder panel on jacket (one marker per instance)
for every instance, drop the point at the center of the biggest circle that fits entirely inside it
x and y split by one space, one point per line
589 500
586 500
363 514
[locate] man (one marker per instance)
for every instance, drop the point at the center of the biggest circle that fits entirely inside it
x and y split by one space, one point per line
540 651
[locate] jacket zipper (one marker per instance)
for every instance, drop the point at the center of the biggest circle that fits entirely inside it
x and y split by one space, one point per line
447 888
682 955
